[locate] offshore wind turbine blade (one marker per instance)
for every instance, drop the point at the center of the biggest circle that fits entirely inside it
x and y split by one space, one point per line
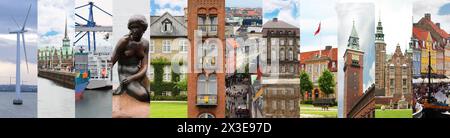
18 27
26 18
25 51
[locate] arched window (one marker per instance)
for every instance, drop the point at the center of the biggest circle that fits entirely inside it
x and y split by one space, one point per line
201 84
166 26
282 54
212 84
206 115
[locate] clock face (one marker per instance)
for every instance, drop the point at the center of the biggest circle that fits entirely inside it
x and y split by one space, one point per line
355 57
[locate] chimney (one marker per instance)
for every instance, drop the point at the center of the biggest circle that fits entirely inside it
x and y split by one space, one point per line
275 19
428 16
438 25
327 47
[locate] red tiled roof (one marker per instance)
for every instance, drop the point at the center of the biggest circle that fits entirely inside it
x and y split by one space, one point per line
441 32
251 13
332 53
421 35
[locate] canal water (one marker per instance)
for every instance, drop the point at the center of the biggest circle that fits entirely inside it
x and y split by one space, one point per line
27 110
95 104
54 100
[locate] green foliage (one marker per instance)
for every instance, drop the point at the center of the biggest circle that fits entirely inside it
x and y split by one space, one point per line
182 85
306 102
158 85
305 83
169 98
327 83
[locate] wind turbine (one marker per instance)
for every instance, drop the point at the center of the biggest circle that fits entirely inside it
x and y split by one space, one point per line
20 32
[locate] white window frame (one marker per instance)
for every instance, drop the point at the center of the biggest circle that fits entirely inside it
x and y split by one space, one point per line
166 46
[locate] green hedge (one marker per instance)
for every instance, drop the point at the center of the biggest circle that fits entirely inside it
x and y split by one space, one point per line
306 102
169 98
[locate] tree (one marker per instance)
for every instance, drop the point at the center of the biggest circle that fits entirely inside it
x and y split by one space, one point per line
327 83
305 83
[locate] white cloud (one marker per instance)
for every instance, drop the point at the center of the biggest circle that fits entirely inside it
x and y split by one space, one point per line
285 8
396 18
173 12
420 7
51 18
170 6
271 5
313 12
172 3
8 70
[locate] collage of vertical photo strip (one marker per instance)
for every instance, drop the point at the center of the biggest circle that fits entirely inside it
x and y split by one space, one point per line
225 59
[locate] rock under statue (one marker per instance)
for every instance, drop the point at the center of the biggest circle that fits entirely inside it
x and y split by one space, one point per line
131 53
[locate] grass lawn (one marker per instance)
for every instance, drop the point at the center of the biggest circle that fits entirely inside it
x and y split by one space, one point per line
168 109
394 113
309 111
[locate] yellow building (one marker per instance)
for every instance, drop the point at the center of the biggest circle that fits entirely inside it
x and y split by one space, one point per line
168 40
428 47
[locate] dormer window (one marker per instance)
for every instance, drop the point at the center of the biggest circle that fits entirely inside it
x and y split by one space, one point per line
166 26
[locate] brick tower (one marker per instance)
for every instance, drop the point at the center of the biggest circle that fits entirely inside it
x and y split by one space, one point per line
206 77
353 70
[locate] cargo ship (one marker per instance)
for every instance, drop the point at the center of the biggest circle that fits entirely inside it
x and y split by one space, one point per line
82 72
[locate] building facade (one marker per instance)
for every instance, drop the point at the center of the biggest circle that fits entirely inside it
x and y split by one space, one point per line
57 58
393 73
428 35
281 84
314 63
206 77
168 41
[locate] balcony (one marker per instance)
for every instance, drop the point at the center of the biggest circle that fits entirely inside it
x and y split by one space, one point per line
208 30
206 99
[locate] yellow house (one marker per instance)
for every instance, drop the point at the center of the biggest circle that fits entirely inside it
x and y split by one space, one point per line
168 40
428 47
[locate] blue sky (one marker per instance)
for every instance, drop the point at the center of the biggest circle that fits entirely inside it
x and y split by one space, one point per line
17 9
286 10
247 3
310 17
52 15
439 10
445 9
174 7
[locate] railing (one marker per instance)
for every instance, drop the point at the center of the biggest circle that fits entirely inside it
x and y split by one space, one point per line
206 99
362 103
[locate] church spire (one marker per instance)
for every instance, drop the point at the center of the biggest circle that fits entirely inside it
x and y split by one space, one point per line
353 40
65 29
354 33
66 40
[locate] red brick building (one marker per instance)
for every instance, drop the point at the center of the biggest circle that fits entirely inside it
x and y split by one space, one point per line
357 104
206 77
314 63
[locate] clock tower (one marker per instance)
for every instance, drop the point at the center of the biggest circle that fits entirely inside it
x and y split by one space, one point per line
353 70
380 57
